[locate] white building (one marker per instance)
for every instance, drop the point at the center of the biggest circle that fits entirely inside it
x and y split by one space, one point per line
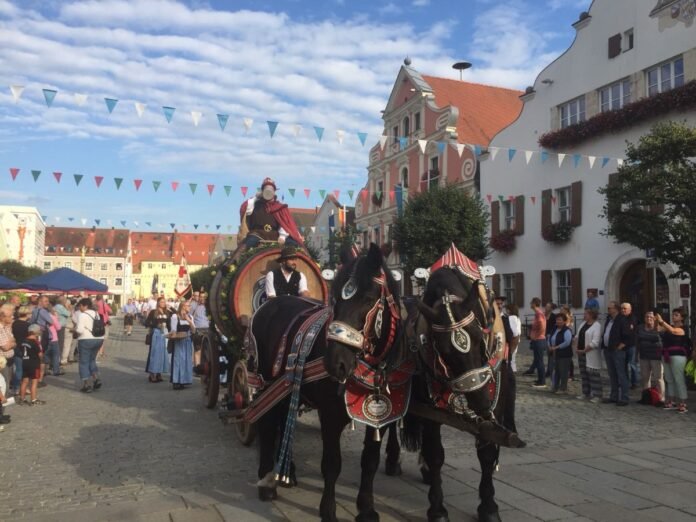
22 234
331 217
624 51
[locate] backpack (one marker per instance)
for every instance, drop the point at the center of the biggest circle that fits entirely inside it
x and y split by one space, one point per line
98 326
650 397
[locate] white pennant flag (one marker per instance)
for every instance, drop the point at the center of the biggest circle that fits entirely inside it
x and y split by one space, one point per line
619 162
460 149
16 91
339 135
313 229
80 99
591 159
422 144
57 219
528 155
561 157
84 221
196 117
382 140
136 223
248 122
296 129
140 109
493 151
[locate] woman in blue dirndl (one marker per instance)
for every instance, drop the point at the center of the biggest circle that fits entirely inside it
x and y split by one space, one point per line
158 358
182 355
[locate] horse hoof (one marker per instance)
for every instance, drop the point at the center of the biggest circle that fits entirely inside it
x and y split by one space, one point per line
489 517
370 516
267 494
425 474
393 469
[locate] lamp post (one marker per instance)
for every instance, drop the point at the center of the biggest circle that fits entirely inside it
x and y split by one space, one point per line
83 251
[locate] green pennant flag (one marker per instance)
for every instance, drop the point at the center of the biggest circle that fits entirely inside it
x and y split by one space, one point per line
193 187
228 188
501 198
292 192
322 193
78 178
350 194
36 174
118 182
378 194
156 185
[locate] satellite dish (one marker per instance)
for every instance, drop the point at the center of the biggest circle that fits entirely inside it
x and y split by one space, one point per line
328 274
396 275
421 273
487 271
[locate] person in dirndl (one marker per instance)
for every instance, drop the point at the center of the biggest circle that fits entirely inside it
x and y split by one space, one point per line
157 357
182 353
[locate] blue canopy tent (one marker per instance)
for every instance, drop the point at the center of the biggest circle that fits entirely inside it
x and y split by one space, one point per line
65 280
8 284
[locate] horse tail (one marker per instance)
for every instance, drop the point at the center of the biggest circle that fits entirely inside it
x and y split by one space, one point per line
412 433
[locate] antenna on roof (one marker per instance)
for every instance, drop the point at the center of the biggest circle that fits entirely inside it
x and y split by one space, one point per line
461 66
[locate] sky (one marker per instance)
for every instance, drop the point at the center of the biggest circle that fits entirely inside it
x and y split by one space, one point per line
301 63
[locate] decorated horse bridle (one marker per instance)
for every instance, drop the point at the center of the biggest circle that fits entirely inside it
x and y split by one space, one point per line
364 342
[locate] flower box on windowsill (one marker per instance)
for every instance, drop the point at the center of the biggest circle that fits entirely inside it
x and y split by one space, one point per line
504 241
558 233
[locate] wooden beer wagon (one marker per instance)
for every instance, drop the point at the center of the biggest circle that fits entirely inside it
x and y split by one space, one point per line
237 291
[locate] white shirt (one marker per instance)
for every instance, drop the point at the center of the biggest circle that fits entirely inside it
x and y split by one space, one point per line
85 324
270 289
593 339
515 325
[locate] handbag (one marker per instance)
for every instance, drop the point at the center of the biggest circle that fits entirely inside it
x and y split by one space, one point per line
148 338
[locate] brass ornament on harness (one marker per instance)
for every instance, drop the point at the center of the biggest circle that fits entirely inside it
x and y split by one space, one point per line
343 333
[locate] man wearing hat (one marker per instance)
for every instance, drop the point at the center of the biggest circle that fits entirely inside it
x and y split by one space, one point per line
286 280
264 218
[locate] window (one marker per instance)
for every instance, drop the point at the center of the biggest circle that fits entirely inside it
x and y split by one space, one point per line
664 77
563 288
89 266
627 40
375 236
102 280
67 264
509 288
47 265
434 163
563 197
137 282
395 130
615 96
407 126
572 112
509 214
149 265
416 122
404 177
380 189
365 240
119 266
104 266
118 281
164 265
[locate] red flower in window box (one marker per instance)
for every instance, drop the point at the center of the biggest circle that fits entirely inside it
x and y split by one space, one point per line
504 241
558 233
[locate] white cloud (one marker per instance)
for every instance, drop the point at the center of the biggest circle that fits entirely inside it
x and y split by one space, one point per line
569 4
420 3
389 9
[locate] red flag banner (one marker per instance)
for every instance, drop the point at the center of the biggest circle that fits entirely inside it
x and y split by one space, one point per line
210 189
244 191
137 183
533 198
175 185
337 194
307 192
14 173
489 197
58 175
183 281
98 180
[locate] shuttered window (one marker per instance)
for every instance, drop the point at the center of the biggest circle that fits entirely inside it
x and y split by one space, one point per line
546 282
495 218
614 46
519 215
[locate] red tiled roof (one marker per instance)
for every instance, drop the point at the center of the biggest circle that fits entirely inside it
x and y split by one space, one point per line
168 247
484 110
99 242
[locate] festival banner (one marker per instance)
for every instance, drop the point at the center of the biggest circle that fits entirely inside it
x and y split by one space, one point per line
110 104
222 121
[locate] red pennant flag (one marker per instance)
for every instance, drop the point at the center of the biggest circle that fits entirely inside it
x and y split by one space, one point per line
307 192
14 173
58 175
137 182
533 198
489 198
337 194
98 180
391 196
553 199
511 198
210 189
363 194
175 185
244 191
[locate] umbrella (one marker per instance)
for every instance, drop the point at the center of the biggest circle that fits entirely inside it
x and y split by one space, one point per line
7 284
65 280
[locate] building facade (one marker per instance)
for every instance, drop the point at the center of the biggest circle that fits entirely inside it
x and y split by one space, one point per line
22 235
102 254
624 51
428 123
330 218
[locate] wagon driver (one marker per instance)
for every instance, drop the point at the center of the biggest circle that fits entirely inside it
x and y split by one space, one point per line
286 279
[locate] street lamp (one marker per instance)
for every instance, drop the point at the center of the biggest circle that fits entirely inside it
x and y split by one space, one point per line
83 251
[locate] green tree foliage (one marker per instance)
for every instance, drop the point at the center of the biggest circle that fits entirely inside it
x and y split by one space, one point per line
650 203
17 271
433 220
312 250
340 239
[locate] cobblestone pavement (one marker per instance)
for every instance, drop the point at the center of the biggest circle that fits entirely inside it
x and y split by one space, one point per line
140 451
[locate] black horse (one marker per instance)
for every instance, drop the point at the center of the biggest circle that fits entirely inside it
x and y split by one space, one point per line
452 312
269 324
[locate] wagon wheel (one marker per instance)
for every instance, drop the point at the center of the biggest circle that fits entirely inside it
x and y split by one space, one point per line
239 393
210 380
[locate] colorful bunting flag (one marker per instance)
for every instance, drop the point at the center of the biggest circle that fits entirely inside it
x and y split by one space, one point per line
337 194
382 141
591 160
403 143
196 117
175 185
244 191
49 96
362 136
168 113
533 198
140 109
576 160
350 194
156 185
511 154
322 193
561 157
605 160
340 134
544 156
227 188
80 99
619 162
35 174
210 189
422 144
172 225
319 131
460 149
16 92
78 178
195 225
441 147
292 192
477 150
123 223
528 156
110 104
137 183
296 129
97 221
148 223
222 121
272 126
57 175
98 180
307 192
217 227
248 122
493 151
193 187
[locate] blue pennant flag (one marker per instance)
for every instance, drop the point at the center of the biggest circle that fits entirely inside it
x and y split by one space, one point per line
195 226
71 219
403 142
222 120
217 227
148 223
362 136
605 160
272 126
441 146
319 131
172 225
110 104
544 156
49 96
511 154
44 218
477 150
576 160
97 221
123 223
168 113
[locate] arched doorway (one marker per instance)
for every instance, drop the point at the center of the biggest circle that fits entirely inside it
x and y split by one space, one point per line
645 288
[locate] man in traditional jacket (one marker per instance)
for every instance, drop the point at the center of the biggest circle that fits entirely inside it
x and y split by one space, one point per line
286 280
